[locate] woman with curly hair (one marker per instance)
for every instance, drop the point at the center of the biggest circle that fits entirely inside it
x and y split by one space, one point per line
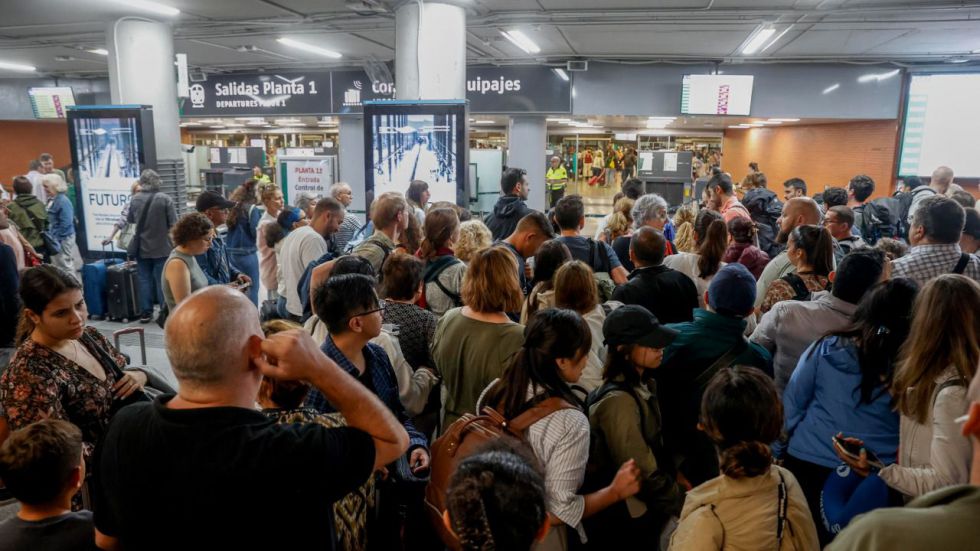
474 236
192 236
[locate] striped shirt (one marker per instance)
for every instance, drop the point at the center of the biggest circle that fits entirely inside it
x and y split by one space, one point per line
560 441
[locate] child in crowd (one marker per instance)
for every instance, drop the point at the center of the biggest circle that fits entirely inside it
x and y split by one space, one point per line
42 466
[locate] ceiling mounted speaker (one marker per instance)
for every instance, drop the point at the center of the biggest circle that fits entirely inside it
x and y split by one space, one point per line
577 65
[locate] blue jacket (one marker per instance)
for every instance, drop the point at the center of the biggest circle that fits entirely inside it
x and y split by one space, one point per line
241 239
216 265
61 218
823 397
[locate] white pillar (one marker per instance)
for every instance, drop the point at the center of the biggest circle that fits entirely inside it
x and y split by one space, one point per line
141 71
430 64
527 139
350 153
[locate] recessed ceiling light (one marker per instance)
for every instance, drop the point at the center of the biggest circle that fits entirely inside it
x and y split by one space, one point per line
17 67
738 127
550 120
99 51
831 88
785 120
309 48
150 6
758 39
521 40
958 60
877 76
561 73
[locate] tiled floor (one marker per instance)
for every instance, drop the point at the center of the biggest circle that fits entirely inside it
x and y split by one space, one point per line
598 202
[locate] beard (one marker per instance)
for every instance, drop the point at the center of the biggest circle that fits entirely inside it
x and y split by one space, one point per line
783 236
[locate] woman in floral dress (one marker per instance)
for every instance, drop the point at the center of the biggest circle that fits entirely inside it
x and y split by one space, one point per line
62 369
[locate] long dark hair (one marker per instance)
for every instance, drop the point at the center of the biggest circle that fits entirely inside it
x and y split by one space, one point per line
38 287
711 234
244 197
440 226
879 327
551 334
818 245
414 193
618 364
551 255
742 414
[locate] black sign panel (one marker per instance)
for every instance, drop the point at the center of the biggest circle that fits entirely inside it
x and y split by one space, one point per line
293 93
531 89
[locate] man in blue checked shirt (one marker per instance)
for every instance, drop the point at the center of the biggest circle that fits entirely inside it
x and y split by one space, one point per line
215 263
349 306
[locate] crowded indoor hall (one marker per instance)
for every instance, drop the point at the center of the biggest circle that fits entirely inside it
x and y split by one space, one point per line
477 275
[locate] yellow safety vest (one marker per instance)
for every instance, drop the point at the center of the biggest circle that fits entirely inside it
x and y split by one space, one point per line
556 174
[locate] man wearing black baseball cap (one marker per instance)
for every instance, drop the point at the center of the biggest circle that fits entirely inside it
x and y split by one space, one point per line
215 263
625 423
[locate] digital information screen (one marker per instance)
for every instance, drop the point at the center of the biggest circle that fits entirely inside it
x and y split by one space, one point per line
416 142
716 95
51 103
937 129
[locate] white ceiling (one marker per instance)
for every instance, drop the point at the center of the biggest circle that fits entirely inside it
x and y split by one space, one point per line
36 32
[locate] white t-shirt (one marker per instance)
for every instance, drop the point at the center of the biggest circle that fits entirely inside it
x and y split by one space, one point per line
301 246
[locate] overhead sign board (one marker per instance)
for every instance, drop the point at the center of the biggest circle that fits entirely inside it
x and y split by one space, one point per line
531 89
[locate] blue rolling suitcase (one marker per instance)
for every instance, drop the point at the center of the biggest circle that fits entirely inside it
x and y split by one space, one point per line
94 286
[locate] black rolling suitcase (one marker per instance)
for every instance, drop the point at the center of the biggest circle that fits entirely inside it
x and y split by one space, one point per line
122 292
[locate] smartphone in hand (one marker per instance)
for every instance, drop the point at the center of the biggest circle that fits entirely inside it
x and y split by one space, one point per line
852 448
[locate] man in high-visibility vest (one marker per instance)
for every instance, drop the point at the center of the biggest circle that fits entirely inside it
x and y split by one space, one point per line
556 178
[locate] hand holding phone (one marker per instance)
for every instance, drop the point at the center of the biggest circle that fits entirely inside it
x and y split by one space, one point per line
853 452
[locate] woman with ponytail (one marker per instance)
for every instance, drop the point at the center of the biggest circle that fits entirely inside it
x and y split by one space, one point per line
711 240
810 249
496 499
444 272
753 504
741 247
553 356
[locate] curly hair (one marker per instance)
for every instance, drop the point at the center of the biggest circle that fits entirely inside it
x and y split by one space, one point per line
191 226
684 229
474 236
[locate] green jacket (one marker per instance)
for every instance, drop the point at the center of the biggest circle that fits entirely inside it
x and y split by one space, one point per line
624 428
19 209
700 343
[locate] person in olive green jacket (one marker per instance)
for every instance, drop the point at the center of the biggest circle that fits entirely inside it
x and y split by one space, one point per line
624 417
28 213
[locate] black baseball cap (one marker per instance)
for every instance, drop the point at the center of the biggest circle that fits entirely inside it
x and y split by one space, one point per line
210 199
636 325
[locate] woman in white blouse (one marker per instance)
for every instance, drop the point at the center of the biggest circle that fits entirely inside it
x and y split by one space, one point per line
554 354
940 360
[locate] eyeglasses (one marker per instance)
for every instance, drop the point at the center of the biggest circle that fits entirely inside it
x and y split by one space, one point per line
209 238
382 304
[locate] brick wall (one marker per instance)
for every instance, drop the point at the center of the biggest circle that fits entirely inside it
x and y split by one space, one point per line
824 155
25 140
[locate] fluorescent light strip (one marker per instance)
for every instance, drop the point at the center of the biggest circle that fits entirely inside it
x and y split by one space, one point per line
99 51
150 6
877 76
17 67
550 120
785 120
521 40
757 41
831 88
775 40
484 122
308 48
561 73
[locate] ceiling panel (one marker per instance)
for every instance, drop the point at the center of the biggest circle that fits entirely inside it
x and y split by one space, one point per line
653 40
821 42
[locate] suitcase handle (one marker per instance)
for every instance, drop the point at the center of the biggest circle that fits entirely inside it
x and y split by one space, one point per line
128 331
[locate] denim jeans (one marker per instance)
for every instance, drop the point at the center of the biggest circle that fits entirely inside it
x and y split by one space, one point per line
150 275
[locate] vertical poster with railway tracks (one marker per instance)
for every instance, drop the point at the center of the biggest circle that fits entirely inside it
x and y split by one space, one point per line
407 141
108 153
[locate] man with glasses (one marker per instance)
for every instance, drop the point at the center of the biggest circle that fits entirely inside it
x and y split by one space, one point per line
349 306
839 221
511 206
215 263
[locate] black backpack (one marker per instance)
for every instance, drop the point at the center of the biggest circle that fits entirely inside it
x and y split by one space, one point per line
765 209
879 218
904 202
